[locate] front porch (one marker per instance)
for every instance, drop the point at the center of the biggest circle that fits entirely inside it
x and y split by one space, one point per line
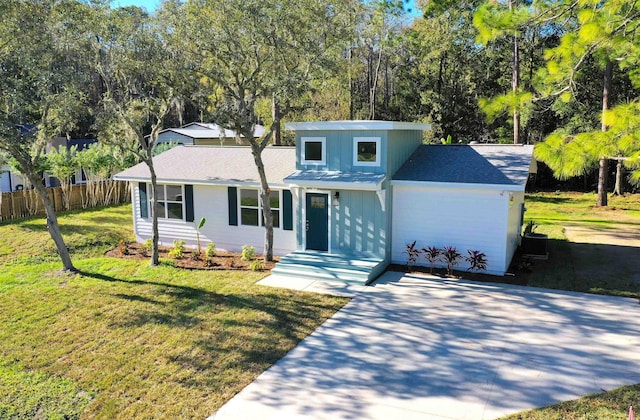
348 268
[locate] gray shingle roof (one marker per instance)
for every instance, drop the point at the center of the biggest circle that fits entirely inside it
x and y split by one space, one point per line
215 165
468 164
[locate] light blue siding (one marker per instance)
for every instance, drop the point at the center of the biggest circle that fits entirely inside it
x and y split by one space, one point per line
339 150
358 224
402 143
171 136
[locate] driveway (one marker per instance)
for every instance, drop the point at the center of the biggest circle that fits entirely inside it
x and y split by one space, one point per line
418 348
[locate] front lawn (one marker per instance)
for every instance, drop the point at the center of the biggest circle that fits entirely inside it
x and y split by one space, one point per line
124 340
580 266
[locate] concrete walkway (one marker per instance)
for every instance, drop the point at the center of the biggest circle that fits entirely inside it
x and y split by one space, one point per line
416 348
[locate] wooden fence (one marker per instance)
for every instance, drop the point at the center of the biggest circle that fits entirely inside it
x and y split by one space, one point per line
19 204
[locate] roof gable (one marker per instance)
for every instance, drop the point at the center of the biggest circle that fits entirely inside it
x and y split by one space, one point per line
468 164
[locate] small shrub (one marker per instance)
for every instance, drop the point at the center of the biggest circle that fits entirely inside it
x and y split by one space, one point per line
477 260
529 228
209 263
450 256
256 265
431 253
211 250
177 251
123 246
148 245
412 254
248 253
196 255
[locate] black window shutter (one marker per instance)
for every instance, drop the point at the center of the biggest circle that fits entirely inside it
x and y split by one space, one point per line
144 207
287 210
233 206
188 197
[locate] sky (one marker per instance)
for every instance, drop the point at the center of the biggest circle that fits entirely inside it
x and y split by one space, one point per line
151 5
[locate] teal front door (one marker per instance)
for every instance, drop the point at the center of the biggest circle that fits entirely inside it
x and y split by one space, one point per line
317 223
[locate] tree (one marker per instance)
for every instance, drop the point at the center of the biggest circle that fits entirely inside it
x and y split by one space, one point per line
246 50
43 80
142 84
603 31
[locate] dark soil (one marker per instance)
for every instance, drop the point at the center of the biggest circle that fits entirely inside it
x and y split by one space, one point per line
222 261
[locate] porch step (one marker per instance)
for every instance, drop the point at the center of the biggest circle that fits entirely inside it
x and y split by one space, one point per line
330 267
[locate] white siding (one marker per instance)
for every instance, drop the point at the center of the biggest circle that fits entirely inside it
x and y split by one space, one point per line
211 202
514 226
466 219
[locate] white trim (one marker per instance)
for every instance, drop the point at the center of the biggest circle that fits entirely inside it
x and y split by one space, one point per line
359 186
458 185
164 217
357 140
304 216
322 141
356 125
239 184
260 215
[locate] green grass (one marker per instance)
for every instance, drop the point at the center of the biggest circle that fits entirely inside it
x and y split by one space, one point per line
551 211
125 340
584 267
613 405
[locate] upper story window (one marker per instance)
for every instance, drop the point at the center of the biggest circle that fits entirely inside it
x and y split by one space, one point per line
366 151
170 202
313 150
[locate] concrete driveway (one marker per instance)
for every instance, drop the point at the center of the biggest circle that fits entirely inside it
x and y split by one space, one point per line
415 348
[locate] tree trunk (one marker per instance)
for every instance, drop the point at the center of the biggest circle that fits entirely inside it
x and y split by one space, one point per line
275 113
52 223
618 189
256 150
602 173
155 259
515 82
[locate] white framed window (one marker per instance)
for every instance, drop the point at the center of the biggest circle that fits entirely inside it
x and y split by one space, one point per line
366 151
170 201
313 150
251 208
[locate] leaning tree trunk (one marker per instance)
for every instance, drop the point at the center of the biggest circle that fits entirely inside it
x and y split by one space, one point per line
52 223
256 150
604 163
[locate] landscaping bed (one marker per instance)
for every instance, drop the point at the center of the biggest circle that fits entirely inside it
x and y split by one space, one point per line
190 259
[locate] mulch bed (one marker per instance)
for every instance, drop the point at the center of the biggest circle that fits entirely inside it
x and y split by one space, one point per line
222 261
519 278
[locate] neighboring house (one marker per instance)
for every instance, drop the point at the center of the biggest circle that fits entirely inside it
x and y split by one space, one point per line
11 180
204 134
346 200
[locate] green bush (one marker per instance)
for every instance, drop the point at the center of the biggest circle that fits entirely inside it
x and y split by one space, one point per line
148 245
211 250
256 265
248 252
178 249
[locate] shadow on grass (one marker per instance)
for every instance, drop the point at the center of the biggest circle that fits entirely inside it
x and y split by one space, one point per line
592 268
240 329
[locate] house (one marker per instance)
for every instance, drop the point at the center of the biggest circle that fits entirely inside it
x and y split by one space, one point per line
11 180
346 200
204 134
